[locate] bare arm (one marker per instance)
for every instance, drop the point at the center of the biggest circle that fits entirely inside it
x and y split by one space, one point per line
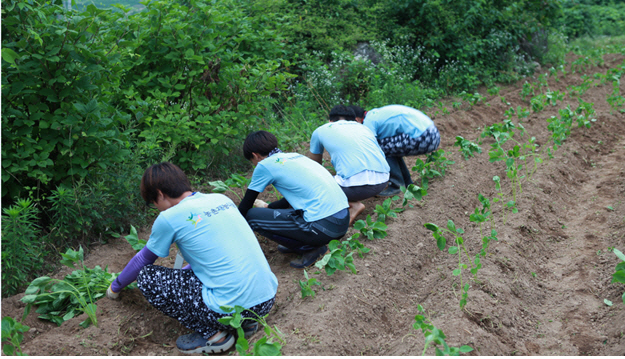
315 157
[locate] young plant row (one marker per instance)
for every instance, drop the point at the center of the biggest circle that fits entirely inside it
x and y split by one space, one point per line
341 254
521 156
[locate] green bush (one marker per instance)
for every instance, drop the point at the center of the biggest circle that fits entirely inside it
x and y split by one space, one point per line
22 245
58 123
592 18
198 77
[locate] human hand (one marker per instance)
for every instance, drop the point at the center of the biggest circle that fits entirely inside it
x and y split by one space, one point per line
260 204
110 294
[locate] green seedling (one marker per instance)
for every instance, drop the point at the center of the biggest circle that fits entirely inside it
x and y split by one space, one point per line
538 102
412 192
467 147
584 113
441 242
553 72
554 96
306 286
509 113
370 229
542 80
522 112
355 245
528 89
493 91
435 165
510 205
619 274
340 257
438 161
269 345
133 239
436 337
12 336
235 181
60 300
386 210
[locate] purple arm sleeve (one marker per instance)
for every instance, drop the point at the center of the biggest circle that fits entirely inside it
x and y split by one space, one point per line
130 273
188 266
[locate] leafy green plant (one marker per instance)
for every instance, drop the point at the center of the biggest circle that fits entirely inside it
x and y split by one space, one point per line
306 286
435 165
507 206
412 192
438 161
133 239
467 147
527 90
619 274
60 300
269 345
355 245
371 229
479 217
235 181
434 336
494 91
58 118
12 336
22 250
340 257
441 242
554 96
522 112
385 210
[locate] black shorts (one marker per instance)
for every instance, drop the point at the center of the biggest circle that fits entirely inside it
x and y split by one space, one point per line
358 193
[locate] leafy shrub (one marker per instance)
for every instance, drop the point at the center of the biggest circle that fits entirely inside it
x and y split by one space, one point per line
57 73
22 254
198 76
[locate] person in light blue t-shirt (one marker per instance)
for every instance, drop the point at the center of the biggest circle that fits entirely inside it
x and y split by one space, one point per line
226 264
401 131
361 168
314 209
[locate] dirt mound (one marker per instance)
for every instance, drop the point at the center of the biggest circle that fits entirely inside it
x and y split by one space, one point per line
541 290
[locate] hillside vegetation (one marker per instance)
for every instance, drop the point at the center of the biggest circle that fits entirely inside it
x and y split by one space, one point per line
93 95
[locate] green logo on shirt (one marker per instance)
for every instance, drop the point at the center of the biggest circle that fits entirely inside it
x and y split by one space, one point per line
194 221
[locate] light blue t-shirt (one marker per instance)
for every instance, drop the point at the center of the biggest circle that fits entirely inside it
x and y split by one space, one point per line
393 120
304 183
222 249
352 146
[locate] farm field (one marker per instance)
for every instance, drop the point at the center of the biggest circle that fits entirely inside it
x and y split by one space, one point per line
540 290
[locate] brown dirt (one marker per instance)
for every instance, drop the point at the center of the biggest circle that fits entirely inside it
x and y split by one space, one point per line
562 234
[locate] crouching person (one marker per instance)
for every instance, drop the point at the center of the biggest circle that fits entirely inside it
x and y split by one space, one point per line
314 209
400 131
226 264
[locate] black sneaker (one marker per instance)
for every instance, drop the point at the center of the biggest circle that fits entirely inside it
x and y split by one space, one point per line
389 191
298 250
309 258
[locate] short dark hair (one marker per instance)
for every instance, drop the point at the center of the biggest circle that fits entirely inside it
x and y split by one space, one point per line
358 111
261 142
166 177
341 111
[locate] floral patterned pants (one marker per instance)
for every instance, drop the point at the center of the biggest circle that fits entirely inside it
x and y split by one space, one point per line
178 294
